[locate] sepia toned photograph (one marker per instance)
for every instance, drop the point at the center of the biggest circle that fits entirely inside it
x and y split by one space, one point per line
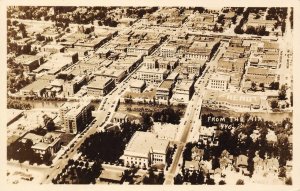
123 95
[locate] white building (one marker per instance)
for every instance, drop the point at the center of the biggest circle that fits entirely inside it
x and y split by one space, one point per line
145 149
137 86
218 82
152 75
183 91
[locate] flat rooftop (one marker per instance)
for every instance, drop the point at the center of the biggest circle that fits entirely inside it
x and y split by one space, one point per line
142 143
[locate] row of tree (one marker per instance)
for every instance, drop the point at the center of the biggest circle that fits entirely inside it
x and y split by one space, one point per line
79 172
15 104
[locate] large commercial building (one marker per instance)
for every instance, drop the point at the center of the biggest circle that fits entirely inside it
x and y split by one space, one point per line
100 86
29 62
183 91
50 144
145 149
75 116
74 85
218 82
152 75
164 91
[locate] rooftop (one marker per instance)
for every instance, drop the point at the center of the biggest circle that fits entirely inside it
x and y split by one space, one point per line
143 143
233 98
26 59
137 84
167 84
99 82
218 76
113 175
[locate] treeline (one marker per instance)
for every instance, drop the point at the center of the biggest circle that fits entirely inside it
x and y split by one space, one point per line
15 104
168 115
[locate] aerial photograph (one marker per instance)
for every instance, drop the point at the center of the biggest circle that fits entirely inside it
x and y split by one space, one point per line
124 95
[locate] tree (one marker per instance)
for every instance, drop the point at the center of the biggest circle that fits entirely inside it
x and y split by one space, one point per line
282 172
250 30
199 9
291 99
238 30
210 181
289 181
50 125
233 19
262 86
146 121
240 182
178 179
282 93
15 23
262 31
187 153
274 85
222 182
200 178
283 26
39 37
193 178
274 104
253 86
88 31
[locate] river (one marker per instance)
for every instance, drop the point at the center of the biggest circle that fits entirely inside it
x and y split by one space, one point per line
49 104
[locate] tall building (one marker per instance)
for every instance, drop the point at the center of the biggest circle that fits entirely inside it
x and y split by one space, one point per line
75 116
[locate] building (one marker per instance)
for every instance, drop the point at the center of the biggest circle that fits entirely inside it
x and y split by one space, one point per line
116 74
76 117
218 81
142 49
91 43
169 50
231 65
58 62
269 61
38 87
29 62
232 100
150 62
145 149
260 75
50 143
74 85
100 86
53 48
137 86
208 136
164 91
256 23
183 91
152 75
111 176
234 52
